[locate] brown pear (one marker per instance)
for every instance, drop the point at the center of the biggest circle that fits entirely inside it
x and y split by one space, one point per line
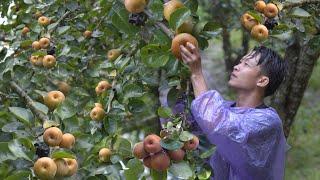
25 30
52 136
135 6
44 42
44 21
67 141
259 6
271 10
248 21
53 99
105 154
45 168
102 86
152 143
36 45
170 7
191 144
97 113
160 161
177 155
139 152
259 32
182 39
49 61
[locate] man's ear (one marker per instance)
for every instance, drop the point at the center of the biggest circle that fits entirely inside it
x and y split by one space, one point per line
263 81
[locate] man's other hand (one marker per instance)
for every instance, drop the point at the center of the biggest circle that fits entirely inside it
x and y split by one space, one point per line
191 56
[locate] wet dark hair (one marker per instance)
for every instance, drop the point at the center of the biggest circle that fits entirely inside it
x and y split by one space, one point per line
273 66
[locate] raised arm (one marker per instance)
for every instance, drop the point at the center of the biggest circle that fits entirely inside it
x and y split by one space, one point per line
191 56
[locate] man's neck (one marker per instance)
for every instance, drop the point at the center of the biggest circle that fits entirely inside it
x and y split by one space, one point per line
251 99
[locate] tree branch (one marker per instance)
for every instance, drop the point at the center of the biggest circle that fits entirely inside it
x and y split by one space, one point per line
161 25
58 22
292 5
148 121
29 101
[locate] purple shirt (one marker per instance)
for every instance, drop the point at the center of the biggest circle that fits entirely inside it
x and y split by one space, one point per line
250 143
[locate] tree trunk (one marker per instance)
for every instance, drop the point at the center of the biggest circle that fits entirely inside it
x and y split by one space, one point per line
301 58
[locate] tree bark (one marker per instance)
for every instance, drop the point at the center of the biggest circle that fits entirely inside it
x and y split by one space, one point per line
301 58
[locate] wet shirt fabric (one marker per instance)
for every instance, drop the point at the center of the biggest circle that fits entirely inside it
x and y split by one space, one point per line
250 143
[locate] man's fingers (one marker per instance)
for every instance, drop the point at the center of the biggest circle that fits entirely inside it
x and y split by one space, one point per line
194 50
185 58
185 51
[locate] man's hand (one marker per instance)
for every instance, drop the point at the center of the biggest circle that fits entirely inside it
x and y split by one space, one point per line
191 58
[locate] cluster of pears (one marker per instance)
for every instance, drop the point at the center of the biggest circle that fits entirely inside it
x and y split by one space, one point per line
47 61
53 99
157 158
47 168
172 6
259 31
183 33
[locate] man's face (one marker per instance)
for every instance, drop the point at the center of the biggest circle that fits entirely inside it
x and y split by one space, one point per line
246 75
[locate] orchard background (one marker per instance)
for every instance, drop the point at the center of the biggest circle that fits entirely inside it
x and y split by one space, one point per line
147 83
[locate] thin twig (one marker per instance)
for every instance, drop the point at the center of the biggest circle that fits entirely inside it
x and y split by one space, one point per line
58 22
30 102
161 25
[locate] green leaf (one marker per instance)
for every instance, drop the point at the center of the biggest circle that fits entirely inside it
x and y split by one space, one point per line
28 1
156 175
18 149
63 29
26 43
41 107
53 25
256 16
156 8
132 90
120 20
181 170
39 53
204 174
208 153
62 154
66 109
283 36
212 27
178 17
5 153
123 147
185 136
171 144
19 175
154 55
164 112
192 5
136 168
299 12
23 114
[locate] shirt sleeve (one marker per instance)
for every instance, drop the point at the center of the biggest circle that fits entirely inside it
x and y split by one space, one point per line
243 138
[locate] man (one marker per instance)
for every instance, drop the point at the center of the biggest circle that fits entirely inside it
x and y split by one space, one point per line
250 143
